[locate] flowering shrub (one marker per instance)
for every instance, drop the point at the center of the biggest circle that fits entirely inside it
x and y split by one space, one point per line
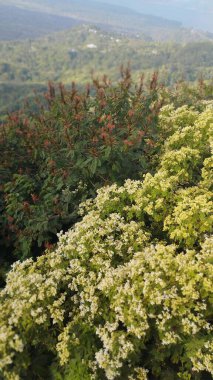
127 293
182 93
55 159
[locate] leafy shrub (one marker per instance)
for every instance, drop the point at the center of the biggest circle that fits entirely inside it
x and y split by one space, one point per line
182 93
57 158
127 294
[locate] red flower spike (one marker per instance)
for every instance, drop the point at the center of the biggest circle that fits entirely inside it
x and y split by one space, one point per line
26 122
110 126
26 205
48 245
131 113
141 133
95 140
47 143
10 219
128 143
104 135
35 198
150 143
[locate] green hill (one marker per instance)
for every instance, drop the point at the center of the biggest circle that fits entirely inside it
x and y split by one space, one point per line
74 54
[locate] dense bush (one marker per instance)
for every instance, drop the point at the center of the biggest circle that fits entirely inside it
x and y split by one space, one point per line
182 93
53 160
127 294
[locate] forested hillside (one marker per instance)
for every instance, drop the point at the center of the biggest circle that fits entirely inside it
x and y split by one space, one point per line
110 17
126 293
74 54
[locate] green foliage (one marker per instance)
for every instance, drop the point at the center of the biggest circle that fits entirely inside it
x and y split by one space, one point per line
75 53
13 97
53 160
127 293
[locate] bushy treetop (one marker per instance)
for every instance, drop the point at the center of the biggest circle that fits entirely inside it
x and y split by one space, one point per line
127 293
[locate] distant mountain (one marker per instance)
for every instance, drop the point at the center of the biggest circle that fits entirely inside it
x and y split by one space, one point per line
17 23
44 14
196 14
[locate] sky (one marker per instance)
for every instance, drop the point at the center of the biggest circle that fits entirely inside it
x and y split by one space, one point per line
192 13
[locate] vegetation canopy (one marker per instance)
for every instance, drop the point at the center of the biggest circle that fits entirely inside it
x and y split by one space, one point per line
53 160
127 293
74 53
106 206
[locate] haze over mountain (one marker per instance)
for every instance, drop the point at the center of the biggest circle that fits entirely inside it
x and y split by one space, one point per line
32 18
17 23
192 13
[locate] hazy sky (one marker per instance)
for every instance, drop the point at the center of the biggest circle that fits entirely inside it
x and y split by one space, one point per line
193 13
